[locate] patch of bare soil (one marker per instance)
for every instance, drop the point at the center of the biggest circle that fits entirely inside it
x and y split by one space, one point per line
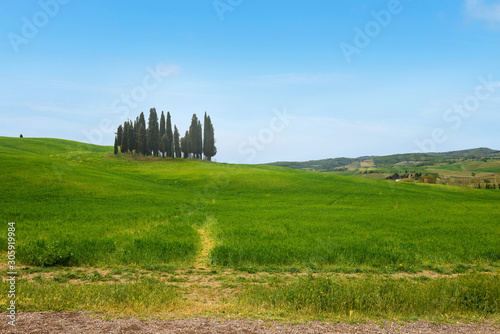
67 322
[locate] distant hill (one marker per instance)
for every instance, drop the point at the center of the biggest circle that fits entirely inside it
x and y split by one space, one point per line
391 161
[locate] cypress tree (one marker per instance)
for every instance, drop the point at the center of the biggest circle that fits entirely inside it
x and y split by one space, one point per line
199 141
162 132
153 133
209 149
164 143
177 148
205 134
131 137
142 120
124 146
141 143
155 137
116 145
119 133
170 152
185 145
162 124
194 133
136 135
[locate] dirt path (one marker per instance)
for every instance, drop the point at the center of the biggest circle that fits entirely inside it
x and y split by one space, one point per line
87 324
207 243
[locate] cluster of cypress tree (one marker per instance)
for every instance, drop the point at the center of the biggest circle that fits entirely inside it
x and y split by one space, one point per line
155 139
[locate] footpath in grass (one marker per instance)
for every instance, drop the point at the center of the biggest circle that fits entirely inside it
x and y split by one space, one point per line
219 292
228 239
79 205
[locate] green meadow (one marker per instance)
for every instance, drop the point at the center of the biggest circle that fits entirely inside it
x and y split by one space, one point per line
78 205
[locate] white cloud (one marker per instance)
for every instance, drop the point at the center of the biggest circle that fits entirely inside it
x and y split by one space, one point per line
483 10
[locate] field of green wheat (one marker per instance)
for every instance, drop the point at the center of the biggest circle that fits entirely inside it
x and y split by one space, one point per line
78 205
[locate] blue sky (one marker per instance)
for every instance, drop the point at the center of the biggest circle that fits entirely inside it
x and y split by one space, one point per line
281 80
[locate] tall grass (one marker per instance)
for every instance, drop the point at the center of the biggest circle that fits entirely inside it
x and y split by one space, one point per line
77 204
145 297
292 217
464 296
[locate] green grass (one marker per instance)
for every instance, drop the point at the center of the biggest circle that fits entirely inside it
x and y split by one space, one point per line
454 167
293 217
74 206
138 227
377 297
147 296
77 204
473 166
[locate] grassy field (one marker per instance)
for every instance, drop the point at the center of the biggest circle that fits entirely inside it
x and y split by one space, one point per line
79 206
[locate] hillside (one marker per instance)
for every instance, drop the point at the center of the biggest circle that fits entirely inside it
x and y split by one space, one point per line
78 205
392 161
68 190
470 168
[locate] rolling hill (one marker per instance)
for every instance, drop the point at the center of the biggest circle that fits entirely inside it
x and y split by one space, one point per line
164 222
102 208
395 161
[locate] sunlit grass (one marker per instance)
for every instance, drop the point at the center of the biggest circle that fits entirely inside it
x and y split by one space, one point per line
378 297
77 204
143 297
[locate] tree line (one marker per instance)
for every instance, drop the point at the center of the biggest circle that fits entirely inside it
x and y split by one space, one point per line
155 139
414 176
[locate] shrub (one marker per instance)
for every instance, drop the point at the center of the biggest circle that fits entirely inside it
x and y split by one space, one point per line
427 179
